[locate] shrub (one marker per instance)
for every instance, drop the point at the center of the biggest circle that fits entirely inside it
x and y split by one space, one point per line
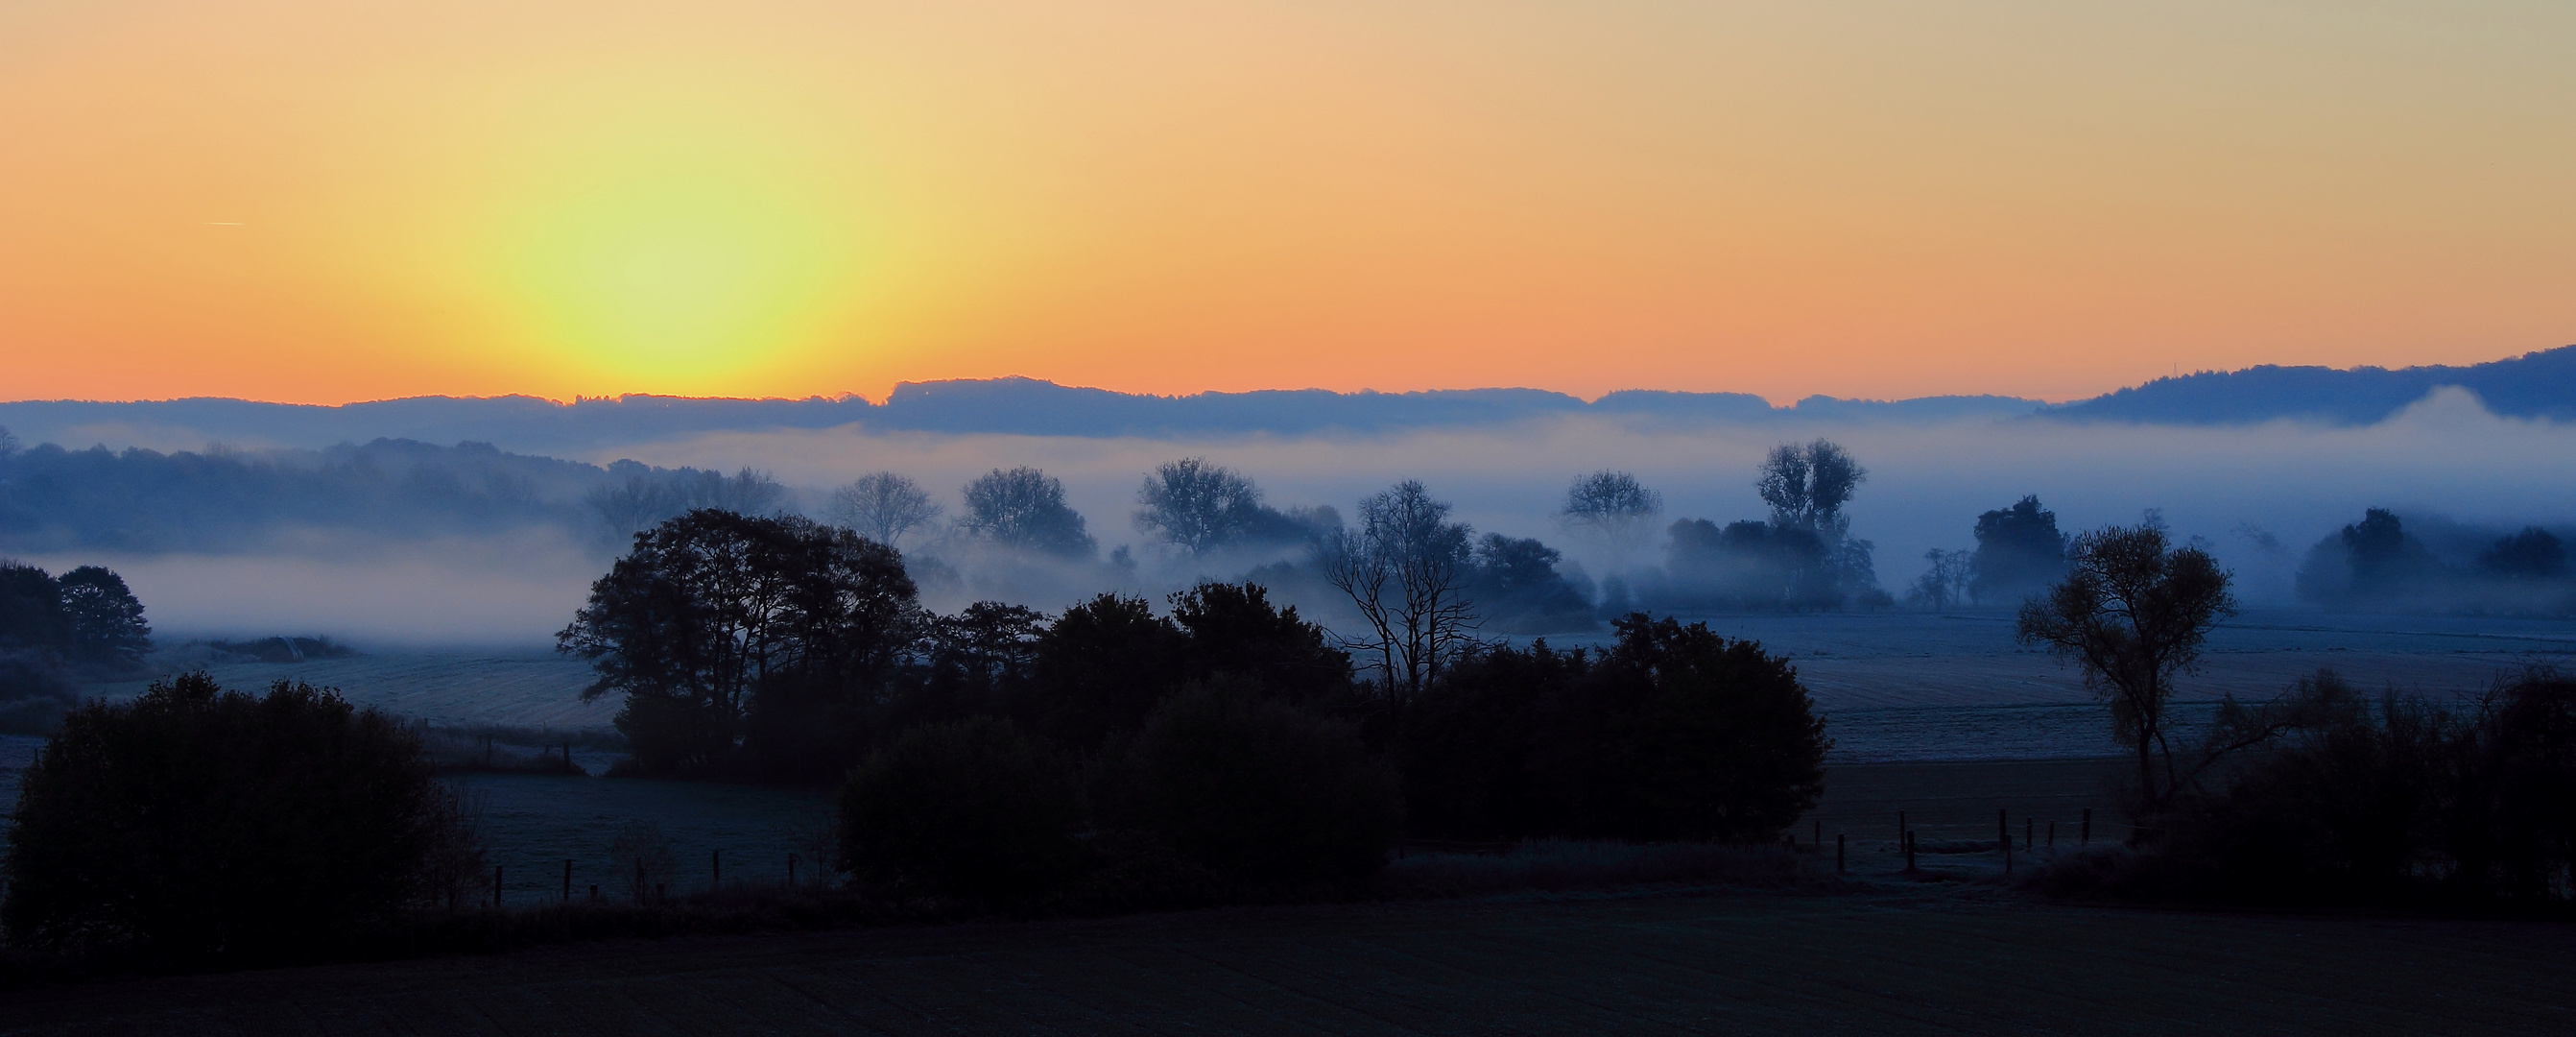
197 823
1672 734
972 809
1254 790
2359 800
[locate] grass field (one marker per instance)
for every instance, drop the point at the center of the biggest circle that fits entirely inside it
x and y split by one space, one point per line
1905 962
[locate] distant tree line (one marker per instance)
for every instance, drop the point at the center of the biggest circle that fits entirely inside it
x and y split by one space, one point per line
1222 741
228 500
2379 564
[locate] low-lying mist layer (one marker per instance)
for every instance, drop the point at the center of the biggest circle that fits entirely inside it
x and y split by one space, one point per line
2260 495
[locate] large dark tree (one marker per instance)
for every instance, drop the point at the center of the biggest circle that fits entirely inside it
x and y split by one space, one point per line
1234 630
1101 667
715 616
106 622
2133 611
2019 551
200 823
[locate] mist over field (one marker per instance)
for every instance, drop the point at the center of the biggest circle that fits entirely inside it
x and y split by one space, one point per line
513 579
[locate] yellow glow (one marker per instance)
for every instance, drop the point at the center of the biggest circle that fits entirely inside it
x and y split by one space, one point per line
665 265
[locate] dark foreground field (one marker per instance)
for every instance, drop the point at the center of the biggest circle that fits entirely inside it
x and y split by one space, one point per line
1897 962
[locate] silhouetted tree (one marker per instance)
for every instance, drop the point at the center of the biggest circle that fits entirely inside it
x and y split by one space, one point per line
1234 631
2019 551
2386 561
1944 581
1672 733
198 823
1100 667
31 610
1198 506
1516 588
1612 509
2133 611
1405 569
106 623
713 613
2533 554
883 506
1024 508
8 444
1807 486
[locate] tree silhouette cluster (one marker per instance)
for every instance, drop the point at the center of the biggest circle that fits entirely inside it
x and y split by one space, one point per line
56 630
2380 564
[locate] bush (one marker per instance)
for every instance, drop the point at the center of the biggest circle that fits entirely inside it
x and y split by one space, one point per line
200 824
1672 734
1254 790
972 809
2370 801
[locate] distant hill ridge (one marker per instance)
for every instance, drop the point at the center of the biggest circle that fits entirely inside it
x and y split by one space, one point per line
1022 406
2541 384
2533 385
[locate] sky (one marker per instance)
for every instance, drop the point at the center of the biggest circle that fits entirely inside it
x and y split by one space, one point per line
321 202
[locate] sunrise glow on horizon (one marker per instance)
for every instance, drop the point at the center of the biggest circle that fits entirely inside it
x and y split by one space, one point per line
316 202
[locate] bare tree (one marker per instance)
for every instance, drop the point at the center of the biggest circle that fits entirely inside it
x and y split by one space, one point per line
8 443
1405 569
1612 509
883 506
1199 506
1944 583
2133 610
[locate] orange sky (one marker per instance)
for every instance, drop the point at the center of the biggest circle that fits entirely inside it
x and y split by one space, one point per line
328 201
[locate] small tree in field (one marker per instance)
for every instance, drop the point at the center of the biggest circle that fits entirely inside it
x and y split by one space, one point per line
2133 610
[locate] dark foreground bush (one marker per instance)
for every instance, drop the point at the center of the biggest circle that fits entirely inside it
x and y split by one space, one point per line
974 809
1255 791
200 824
2392 800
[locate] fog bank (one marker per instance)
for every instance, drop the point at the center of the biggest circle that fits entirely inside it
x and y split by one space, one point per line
2445 455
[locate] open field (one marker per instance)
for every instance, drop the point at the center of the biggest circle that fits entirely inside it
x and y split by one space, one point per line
1901 962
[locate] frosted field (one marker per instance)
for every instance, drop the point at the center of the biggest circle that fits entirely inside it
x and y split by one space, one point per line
1894 689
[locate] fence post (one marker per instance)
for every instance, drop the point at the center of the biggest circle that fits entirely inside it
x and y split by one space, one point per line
2088 826
1900 826
1838 854
2052 837
2003 828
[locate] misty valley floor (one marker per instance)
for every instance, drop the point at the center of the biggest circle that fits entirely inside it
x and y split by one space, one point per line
1900 961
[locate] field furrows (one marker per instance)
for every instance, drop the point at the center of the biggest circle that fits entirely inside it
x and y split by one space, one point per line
1849 964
